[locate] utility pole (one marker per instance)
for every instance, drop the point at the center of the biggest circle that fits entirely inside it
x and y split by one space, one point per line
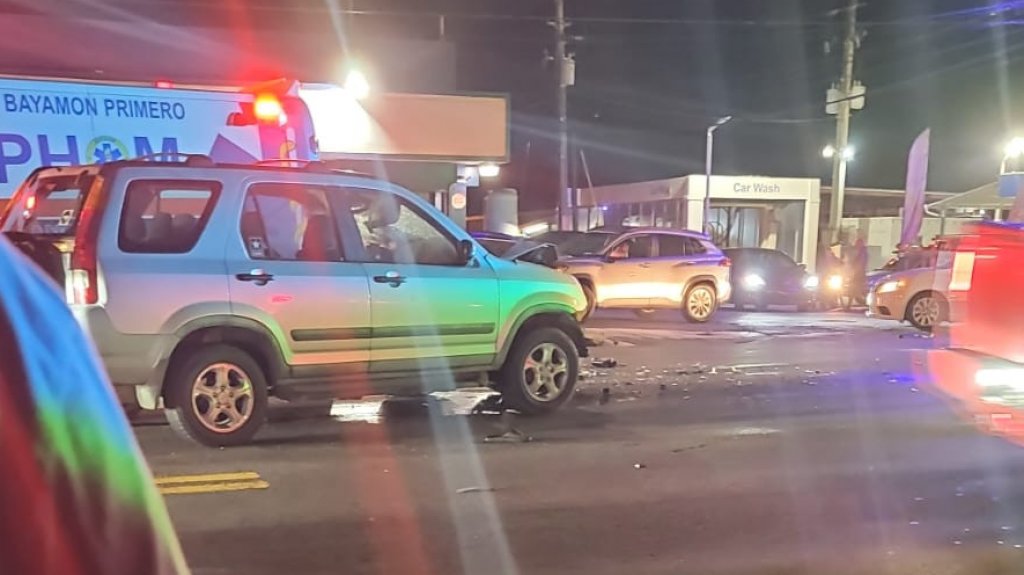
845 91
566 216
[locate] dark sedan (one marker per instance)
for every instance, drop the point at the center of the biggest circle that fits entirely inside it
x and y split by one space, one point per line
762 277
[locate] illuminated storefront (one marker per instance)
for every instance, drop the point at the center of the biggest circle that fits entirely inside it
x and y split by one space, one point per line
744 211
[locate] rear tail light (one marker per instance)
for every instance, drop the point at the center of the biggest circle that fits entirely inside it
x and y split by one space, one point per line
725 262
963 271
83 276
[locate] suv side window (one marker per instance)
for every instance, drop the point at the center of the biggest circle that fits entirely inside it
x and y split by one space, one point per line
673 246
636 247
694 247
165 216
394 231
290 222
670 246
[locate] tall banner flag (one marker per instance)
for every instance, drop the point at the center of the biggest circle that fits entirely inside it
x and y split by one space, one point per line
917 181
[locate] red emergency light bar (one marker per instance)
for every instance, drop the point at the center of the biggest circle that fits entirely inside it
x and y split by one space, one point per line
265 109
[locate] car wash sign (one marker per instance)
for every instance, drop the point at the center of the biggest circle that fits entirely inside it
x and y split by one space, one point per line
52 123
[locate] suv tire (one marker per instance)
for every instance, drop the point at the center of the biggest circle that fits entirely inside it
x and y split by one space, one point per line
540 371
216 396
700 303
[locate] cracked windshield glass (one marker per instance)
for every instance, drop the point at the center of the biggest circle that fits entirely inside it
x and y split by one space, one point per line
317 287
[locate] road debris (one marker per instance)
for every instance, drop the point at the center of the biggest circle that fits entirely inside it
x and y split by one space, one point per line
606 395
464 490
605 362
639 466
689 448
512 436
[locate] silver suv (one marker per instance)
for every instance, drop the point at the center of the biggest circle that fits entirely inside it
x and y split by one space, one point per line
209 287
655 268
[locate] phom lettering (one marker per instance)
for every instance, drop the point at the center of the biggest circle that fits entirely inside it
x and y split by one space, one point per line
14 151
168 147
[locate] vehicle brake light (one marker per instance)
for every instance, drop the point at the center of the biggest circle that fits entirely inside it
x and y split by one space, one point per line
164 84
725 262
83 276
30 203
963 271
268 109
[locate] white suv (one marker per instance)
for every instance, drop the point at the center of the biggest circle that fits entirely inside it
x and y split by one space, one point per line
645 269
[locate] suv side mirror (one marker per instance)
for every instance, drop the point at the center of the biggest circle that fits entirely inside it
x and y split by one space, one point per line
465 251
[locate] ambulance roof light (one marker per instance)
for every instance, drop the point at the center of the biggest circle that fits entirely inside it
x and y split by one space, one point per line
267 108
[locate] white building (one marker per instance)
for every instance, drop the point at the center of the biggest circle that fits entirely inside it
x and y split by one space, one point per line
745 211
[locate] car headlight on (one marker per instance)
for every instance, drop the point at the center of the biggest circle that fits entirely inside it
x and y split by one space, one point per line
891 286
753 282
811 282
835 282
1009 377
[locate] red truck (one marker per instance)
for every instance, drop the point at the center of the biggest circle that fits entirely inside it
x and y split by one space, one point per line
983 366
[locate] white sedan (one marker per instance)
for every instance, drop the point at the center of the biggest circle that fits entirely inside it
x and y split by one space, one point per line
917 296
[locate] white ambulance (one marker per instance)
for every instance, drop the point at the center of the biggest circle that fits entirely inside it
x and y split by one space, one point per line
51 122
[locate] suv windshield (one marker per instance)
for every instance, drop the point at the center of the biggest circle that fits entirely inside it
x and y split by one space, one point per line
49 204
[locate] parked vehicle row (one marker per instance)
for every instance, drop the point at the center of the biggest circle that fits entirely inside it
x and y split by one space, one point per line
209 287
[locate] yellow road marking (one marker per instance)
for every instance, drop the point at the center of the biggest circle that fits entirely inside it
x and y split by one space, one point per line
210 483
207 478
214 487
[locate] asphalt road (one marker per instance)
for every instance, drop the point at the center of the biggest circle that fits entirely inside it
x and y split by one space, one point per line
765 443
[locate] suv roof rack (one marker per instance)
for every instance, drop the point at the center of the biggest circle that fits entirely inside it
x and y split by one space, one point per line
307 165
201 160
353 173
276 161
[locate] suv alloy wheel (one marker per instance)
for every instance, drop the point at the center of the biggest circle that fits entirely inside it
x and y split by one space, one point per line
540 371
216 396
699 303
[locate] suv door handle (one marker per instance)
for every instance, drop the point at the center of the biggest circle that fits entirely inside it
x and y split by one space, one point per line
257 276
393 279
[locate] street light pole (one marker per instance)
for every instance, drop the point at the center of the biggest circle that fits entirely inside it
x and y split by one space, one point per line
708 160
565 203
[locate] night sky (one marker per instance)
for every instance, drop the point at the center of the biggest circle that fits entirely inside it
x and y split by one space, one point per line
645 92
652 75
